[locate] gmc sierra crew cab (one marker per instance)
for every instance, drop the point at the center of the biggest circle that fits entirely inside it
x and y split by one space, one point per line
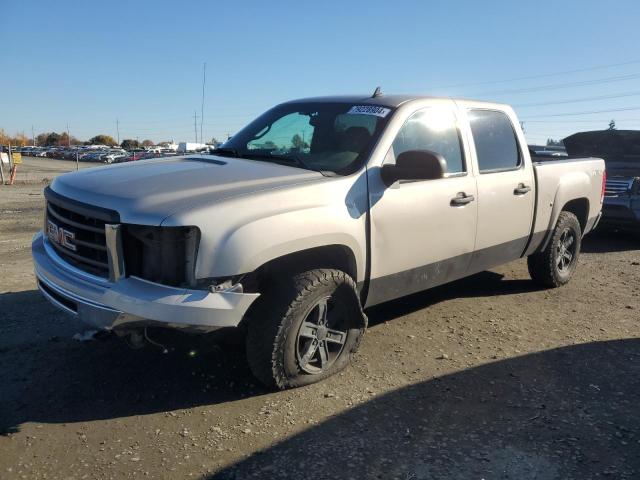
313 212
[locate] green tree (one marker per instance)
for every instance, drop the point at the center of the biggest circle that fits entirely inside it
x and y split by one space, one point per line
51 139
102 140
41 139
147 143
298 143
130 144
612 125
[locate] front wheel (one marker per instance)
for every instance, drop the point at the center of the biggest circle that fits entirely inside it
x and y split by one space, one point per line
555 265
305 329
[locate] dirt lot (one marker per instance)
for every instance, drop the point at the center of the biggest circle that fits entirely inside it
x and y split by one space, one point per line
489 377
38 169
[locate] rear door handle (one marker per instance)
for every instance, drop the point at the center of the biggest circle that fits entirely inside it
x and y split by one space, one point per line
521 189
461 199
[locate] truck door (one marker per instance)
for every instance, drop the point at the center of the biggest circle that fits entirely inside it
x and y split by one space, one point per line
505 190
422 232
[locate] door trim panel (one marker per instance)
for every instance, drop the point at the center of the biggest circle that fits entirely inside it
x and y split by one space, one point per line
407 282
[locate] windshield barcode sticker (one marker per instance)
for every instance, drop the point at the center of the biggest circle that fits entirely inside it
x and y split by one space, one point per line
369 110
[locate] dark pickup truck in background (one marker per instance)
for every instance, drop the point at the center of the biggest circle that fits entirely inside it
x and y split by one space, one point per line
620 150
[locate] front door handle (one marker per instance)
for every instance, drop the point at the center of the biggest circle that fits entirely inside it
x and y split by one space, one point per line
521 189
461 199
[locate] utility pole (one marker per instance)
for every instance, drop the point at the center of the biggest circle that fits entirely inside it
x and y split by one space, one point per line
204 79
1 168
10 159
33 137
68 137
195 124
118 130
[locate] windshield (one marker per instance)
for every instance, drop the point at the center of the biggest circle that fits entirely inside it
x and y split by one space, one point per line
327 137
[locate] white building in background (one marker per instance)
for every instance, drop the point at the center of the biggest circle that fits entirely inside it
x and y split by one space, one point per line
167 146
185 147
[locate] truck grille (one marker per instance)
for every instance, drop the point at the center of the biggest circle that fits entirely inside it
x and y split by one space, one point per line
76 235
617 186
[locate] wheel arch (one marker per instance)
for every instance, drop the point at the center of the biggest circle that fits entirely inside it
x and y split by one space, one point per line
336 256
569 196
580 208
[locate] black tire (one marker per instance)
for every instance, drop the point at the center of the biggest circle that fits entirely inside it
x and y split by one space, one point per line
552 266
279 329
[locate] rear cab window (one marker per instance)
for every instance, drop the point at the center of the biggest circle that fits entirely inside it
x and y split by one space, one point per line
497 148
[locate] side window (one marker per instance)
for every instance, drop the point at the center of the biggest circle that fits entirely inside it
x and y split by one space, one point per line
432 129
495 141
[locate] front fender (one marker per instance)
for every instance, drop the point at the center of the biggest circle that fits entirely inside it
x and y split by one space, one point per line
256 243
241 234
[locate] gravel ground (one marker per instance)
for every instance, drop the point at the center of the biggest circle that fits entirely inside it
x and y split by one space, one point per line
488 377
43 170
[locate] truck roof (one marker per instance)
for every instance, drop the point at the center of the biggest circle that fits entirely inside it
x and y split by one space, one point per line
392 101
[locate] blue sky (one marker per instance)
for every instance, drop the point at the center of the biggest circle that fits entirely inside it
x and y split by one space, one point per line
88 63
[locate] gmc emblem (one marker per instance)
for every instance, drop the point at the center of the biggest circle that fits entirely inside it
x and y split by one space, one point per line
60 236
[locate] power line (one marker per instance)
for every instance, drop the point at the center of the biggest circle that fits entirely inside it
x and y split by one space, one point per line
584 121
577 100
618 78
589 112
544 75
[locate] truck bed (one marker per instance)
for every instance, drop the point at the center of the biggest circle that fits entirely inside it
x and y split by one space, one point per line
559 180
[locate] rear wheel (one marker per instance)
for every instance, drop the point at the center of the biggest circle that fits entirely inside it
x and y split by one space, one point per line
306 329
555 265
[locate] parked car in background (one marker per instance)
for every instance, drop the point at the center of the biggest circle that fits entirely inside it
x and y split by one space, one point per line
620 150
53 152
112 155
547 151
70 153
93 156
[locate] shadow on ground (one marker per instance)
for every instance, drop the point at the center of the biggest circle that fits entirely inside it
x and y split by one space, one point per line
603 241
483 284
567 413
50 378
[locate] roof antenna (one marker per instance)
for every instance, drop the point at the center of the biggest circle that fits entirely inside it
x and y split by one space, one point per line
377 93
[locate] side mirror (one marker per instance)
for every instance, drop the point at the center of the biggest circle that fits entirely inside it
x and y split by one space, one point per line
415 165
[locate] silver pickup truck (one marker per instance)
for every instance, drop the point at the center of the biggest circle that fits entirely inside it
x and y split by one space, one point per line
315 211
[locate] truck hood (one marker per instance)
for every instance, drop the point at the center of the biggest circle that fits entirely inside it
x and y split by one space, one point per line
620 149
146 192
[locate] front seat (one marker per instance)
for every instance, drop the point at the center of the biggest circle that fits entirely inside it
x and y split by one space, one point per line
355 139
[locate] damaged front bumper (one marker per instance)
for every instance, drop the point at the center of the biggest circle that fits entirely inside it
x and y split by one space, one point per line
131 301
